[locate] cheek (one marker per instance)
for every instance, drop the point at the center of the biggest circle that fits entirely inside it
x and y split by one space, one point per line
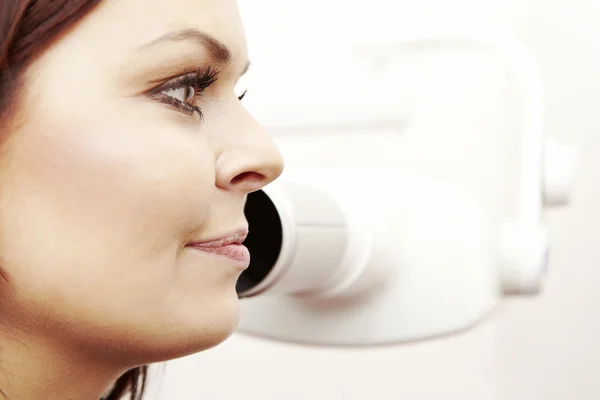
89 212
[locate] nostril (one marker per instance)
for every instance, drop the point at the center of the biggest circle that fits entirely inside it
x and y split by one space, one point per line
248 178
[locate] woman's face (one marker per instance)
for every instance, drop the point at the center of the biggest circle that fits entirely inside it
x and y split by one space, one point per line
109 172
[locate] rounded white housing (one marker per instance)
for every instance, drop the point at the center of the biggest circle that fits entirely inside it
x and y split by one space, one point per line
402 258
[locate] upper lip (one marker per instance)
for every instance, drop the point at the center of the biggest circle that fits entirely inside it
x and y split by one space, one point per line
232 238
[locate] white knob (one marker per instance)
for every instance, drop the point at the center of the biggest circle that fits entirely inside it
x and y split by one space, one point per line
559 171
523 258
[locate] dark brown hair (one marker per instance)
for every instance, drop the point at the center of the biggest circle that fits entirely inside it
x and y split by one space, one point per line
27 28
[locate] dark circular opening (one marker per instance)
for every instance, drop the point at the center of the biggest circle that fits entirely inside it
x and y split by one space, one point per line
264 240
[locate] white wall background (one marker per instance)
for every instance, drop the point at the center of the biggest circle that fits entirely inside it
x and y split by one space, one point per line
459 105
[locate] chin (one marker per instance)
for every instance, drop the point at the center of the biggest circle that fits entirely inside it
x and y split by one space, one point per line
202 331
180 329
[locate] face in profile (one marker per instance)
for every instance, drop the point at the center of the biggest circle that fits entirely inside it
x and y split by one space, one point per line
130 143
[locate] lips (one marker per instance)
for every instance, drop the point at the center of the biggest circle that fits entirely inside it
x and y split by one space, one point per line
235 238
229 246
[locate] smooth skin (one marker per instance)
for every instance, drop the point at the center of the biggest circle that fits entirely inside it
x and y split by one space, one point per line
102 187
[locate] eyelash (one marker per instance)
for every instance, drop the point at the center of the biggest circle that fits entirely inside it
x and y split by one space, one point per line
200 80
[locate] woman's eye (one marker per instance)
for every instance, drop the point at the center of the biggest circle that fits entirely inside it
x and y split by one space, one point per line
241 87
184 94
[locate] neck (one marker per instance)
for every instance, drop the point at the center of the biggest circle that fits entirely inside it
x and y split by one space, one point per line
37 370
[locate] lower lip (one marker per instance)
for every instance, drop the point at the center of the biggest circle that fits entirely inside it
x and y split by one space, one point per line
236 253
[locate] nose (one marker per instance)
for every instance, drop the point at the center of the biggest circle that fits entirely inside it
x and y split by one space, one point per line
250 159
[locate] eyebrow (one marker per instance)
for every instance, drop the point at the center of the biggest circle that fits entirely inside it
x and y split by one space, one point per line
217 49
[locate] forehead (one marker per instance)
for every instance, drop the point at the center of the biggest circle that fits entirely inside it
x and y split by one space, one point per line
126 24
